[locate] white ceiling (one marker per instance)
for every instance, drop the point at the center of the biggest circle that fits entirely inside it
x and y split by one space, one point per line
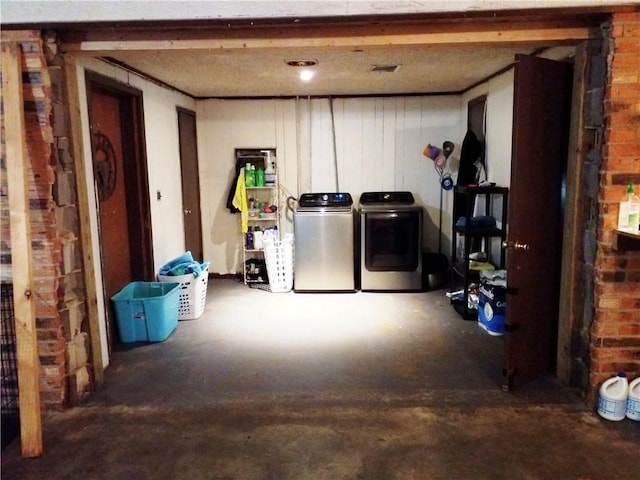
344 67
65 11
339 71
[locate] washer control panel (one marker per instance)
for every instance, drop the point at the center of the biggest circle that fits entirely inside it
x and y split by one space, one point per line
325 200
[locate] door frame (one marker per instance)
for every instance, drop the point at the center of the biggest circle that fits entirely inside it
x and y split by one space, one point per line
137 184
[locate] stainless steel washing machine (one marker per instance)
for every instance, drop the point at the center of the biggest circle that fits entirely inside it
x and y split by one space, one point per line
324 243
390 242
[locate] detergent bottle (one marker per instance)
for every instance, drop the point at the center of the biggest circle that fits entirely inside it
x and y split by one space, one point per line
633 402
612 403
257 238
249 176
269 170
629 213
260 177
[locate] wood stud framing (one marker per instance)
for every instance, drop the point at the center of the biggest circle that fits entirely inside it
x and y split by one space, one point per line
24 298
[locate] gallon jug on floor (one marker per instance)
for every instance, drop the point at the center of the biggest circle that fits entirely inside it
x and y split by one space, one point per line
633 402
612 403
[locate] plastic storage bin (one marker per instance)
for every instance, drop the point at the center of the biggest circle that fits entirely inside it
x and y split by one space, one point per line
193 293
278 255
146 311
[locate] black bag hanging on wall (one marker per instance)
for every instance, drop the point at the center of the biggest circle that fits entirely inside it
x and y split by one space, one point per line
470 153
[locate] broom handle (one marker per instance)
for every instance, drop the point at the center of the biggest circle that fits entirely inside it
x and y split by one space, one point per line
440 224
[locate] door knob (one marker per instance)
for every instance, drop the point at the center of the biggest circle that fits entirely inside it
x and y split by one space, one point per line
187 212
515 245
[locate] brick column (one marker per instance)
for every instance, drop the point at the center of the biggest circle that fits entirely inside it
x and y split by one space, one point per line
45 242
615 333
63 345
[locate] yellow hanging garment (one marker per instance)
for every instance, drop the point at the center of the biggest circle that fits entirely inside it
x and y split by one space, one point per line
240 201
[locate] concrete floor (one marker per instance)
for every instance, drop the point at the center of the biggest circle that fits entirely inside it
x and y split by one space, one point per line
325 386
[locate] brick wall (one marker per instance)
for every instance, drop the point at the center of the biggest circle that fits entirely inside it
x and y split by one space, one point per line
57 275
615 333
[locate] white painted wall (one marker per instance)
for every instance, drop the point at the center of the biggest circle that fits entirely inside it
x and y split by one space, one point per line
379 145
223 126
163 159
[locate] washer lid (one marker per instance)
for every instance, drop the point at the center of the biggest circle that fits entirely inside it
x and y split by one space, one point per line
387 198
316 200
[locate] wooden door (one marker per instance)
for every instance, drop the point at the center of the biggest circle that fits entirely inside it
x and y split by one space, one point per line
542 101
120 180
190 183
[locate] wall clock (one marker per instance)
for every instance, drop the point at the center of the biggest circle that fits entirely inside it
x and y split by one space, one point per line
104 165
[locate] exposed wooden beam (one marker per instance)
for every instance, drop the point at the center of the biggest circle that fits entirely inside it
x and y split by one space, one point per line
572 285
370 36
83 198
23 286
14 36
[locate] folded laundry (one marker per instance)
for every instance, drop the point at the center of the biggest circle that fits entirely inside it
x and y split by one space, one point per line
183 265
482 221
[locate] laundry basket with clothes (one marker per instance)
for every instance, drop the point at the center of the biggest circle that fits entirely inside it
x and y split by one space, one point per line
193 277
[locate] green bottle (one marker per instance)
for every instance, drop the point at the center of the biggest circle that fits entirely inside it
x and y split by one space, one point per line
249 176
259 177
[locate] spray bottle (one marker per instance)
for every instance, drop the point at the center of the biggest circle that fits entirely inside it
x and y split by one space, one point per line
269 170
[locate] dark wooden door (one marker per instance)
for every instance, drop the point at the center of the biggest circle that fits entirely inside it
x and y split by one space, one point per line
190 183
120 180
542 100
112 201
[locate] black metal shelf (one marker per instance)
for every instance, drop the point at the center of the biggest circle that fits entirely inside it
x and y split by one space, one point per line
462 275
479 232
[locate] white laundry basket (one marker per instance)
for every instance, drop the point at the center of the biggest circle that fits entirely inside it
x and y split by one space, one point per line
193 293
278 255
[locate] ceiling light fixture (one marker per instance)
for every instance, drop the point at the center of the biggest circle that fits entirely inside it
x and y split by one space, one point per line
306 75
301 63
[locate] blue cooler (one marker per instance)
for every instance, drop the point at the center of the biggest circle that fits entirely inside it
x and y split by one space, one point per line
492 301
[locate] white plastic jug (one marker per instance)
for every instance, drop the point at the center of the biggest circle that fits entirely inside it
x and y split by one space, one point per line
612 403
633 401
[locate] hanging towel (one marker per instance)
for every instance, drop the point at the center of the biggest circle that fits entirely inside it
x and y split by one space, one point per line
240 201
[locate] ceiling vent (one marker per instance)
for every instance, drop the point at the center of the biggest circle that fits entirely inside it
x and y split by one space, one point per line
385 68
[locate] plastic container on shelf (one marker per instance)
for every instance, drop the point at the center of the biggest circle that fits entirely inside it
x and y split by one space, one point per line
257 238
269 170
629 213
249 239
249 175
260 177
192 293
633 401
612 402
146 311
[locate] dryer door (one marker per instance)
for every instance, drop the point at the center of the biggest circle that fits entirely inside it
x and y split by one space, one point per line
391 241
